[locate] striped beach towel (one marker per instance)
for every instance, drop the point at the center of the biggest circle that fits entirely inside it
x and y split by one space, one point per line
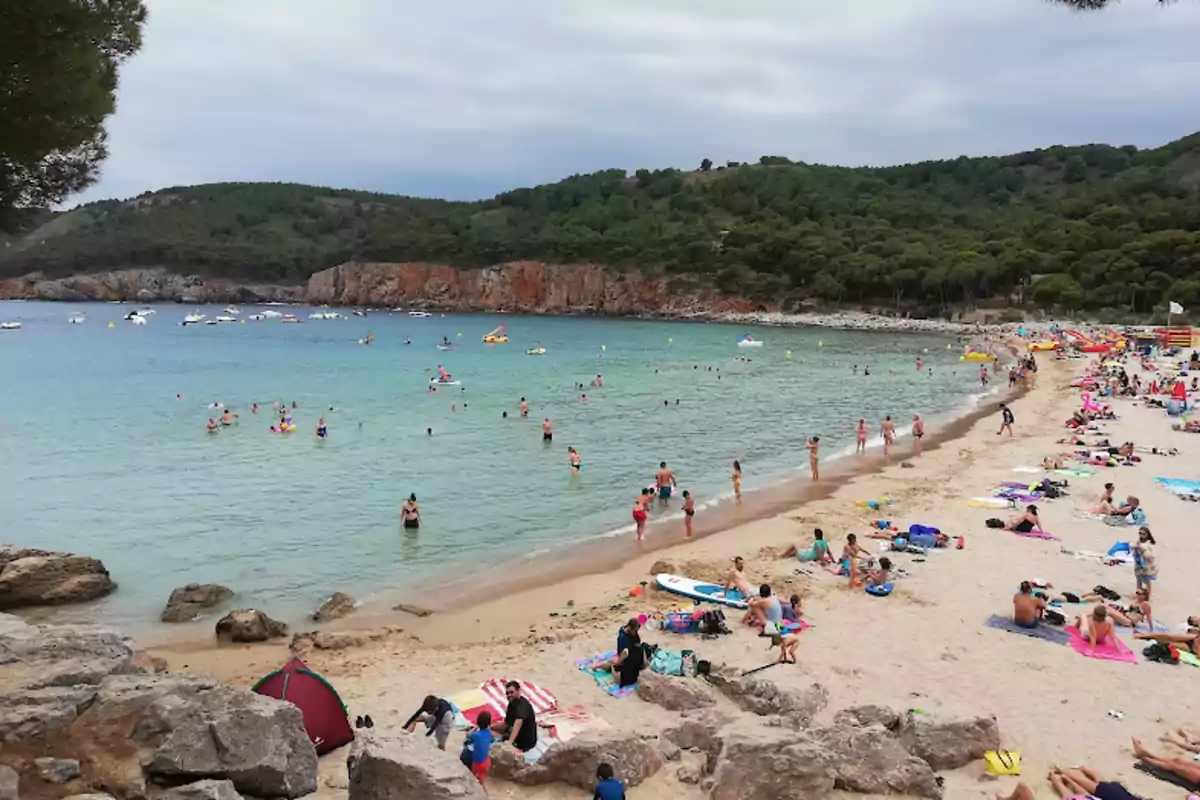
496 701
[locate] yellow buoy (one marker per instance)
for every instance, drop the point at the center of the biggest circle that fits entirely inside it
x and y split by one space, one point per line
460 334
111 325
670 340
820 344
603 347
948 347
789 354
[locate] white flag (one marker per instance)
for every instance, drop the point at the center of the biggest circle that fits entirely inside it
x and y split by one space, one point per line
1176 308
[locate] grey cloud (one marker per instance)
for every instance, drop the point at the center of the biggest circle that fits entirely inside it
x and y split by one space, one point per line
470 98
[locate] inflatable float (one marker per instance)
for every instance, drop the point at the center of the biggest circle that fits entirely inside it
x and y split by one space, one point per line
976 357
1038 347
697 590
536 351
498 336
439 382
749 341
883 590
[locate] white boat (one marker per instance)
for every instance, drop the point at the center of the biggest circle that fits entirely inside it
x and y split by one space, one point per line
445 347
749 341
78 319
147 312
193 318
210 322
272 314
536 351
291 318
232 311
358 312
419 314
440 382
10 326
324 315
137 319
258 317
226 318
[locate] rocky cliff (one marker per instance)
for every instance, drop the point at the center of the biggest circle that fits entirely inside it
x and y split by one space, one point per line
522 286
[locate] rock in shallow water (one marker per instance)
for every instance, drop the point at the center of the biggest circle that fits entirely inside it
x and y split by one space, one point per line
30 577
188 602
336 607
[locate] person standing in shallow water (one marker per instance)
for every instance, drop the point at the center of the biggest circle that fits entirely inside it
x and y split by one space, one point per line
918 432
814 448
737 480
689 511
889 434
640 504
410 514
861 433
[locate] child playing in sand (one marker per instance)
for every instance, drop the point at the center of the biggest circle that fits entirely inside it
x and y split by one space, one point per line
787 644
480 740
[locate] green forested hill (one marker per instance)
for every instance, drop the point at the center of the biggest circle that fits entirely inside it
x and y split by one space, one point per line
1082 227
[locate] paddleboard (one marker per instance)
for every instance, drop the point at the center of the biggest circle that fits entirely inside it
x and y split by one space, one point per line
697 590
436 382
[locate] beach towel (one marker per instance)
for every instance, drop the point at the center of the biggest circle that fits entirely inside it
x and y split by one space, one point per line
603 677
565 724
1166 777
1075 473
1044 632
497 702
1036 535
988 502
1180 486
1187 658
794 627
1029 470
1111 650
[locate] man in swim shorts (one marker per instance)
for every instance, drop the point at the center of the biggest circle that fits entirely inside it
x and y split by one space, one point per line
547 431
918 432
889 434
736 578
665 480
1027 609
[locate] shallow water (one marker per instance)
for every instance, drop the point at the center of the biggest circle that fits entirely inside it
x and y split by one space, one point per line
98 456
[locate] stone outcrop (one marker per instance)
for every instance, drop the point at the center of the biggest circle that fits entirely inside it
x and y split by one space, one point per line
763 697
700 730
145 285
869 715
338 640
673 694
771 764
574 762
248 625
395 766
948 743
31 577
57 770
188 602
204 790
871 760
336 607
9 783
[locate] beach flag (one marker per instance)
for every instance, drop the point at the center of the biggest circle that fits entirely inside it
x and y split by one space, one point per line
1175 308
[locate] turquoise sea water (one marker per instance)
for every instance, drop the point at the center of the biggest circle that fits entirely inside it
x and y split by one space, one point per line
99 456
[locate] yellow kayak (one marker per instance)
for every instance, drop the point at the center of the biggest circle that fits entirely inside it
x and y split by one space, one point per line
495 340
976 357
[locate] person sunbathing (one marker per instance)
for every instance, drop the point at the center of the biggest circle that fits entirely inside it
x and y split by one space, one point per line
819 551
1126 508
1183 739
1105 505
1027 607
736 578
1096 627
1188 769
1136 615
1080 783
1027 522
1189 640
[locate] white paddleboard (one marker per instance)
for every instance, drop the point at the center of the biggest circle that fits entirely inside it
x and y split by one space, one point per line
436 382
698 590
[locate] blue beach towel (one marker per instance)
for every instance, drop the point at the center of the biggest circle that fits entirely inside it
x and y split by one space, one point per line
1181 487
603 677
1044 632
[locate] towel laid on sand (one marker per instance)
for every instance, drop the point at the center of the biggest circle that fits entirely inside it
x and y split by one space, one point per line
1044 632
604 677
1167 777
1036 535
1113 649
1180 486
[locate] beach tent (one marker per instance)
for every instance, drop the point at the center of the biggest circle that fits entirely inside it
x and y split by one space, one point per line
324 714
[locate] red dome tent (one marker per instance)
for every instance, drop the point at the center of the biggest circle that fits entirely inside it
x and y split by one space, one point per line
324 713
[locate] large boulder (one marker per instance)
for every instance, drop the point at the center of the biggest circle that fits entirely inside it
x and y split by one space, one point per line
248 625
31 715
700 730
869 715
204 790
336 607
188 602
173 730
871 760
763 697
673 694
386 765
574 762
948 743
30 577
770 764
9 783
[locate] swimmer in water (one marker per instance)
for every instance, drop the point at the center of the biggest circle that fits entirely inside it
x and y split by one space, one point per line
861 432
503 415
254 408
583 398
407 340
640 503
689 511
524 408
211 427
918 363
665 481
737 480
547 431
855 370
814 450
889 434
867 370
918 431
429 431
322 431
227 418
576 461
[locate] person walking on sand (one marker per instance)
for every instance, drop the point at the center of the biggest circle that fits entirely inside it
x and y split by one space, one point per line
737 480
918 432
665 481
861 432
889 434
1006 420
547 431
689 511
814 451
639 512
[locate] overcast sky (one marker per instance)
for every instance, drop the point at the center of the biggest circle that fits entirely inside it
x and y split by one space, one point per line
464 99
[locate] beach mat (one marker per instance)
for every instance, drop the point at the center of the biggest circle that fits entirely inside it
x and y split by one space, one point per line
1112 650
1166 777
1043 632
1037 535
1075 473
603 677
496 701
567 723
987 502
1180 486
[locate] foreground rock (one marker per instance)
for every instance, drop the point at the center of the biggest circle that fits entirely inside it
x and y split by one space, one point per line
9 783
204 790
30 577
336 607
248 625
574 762
673 694
948 743
763 697
339 640
871 760
188 602
395 766
770 763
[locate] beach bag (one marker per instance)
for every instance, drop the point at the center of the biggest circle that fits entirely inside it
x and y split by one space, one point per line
1162 653
667 662
467 756
689 664
1002 762
1053 617
680 622
994 523
713 622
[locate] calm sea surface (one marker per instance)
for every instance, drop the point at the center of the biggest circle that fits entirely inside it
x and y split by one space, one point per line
99 456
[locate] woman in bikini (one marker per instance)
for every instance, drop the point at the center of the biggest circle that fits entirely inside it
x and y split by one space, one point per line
1105 506
1096 627
737 480
1136 614
639 512
689 511
1189 640
862 437
1026 523
410 513
848 563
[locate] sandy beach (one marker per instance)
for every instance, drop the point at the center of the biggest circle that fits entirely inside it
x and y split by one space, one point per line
924 647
